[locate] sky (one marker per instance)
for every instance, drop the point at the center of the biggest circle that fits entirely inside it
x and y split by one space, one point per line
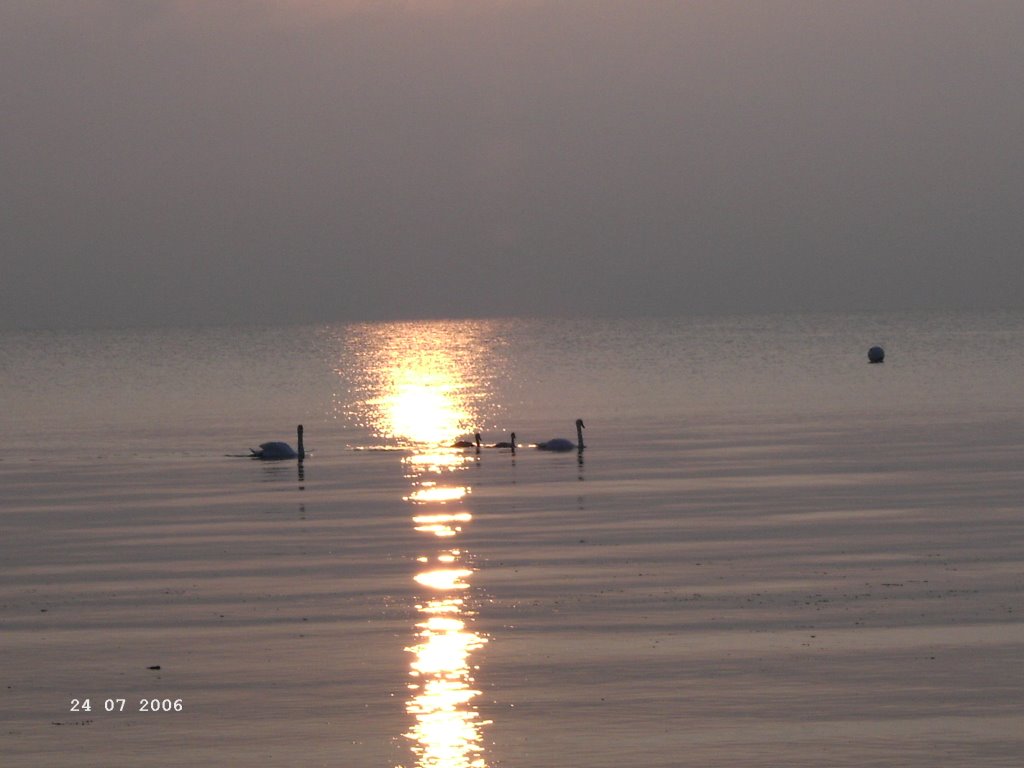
170 162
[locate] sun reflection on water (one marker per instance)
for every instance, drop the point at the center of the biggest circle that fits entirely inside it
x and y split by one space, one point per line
447 728
423 386
429 491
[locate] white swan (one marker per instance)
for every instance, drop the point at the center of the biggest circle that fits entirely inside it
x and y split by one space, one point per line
564 444
278 450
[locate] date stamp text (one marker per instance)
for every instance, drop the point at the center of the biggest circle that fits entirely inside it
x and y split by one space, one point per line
115 705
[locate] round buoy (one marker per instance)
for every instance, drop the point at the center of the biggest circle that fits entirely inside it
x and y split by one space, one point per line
876 355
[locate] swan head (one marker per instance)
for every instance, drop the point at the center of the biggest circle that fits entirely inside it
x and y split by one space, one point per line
580 424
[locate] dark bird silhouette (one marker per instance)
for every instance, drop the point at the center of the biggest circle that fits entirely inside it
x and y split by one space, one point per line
511 443
467 444
274 451
564 444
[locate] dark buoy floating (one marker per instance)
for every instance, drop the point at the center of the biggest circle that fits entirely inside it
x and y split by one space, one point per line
876 355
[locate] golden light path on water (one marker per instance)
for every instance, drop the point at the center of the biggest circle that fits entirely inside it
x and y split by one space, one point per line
423 392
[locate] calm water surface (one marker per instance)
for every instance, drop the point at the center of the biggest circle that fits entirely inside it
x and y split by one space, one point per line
214 384
737 571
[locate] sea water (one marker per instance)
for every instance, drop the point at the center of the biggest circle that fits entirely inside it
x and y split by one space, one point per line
770 551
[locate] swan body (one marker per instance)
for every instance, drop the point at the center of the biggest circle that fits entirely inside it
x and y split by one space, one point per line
277 450
468 444
564 444
511 443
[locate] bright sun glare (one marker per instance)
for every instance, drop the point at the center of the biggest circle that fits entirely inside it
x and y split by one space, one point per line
423 382
421 394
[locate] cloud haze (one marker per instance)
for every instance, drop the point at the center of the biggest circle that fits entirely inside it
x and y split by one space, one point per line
173 161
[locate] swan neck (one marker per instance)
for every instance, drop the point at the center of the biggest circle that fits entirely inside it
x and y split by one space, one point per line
302 450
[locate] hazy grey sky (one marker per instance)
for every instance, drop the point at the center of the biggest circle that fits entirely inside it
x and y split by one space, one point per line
208 161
